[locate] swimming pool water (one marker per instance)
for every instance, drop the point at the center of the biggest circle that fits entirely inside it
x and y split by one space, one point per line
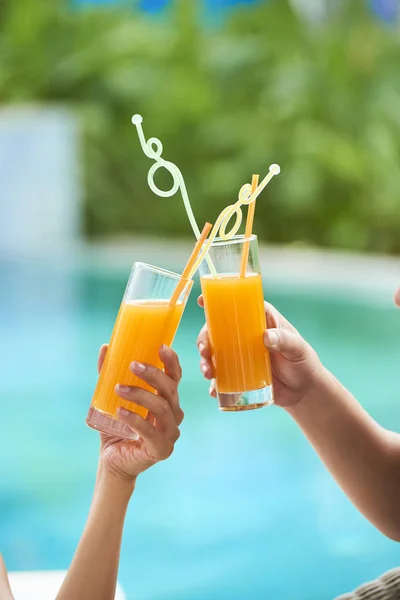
243 509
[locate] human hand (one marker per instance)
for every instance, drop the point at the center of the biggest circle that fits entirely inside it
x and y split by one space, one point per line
296 368
158 432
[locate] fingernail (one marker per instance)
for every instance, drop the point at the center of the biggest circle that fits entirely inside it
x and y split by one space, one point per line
122 389
123 412
273 338
204 369
138 367
211 389
201 347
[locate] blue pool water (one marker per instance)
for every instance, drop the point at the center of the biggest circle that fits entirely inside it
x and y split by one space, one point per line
243 509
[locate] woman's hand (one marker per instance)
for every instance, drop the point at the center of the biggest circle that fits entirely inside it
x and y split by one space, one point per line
296 368
121 461
158 432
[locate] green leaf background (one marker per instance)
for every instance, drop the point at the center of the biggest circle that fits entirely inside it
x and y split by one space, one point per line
226 99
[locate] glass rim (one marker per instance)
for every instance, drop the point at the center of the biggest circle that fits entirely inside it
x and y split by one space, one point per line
235 239
160 271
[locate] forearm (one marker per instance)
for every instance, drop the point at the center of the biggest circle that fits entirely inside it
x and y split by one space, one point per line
94 569
5 591
363 457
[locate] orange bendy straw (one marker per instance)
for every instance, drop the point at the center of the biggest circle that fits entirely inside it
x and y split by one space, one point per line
187 271
249 228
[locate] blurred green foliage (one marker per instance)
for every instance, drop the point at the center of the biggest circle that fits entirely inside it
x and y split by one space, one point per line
322 100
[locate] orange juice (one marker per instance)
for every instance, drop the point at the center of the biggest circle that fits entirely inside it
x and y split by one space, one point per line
141 327
235 314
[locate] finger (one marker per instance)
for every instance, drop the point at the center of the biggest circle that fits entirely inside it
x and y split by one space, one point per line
271 316
158 406
212 390
206 368
157 446
160 381
291 345
203 343
275 320
200 301
102 355
171 363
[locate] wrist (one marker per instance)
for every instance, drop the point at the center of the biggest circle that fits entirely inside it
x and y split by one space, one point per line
322 386
114 482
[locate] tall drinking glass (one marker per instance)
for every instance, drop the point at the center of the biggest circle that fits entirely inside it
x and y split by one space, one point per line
145 322
235 314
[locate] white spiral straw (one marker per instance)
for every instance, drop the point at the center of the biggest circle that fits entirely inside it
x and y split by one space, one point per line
153 148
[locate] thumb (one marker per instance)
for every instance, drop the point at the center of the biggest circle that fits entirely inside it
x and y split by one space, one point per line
290 344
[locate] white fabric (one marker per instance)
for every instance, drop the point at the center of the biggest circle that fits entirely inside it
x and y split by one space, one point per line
42 585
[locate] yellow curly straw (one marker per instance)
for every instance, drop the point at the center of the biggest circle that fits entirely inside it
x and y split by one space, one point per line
246 197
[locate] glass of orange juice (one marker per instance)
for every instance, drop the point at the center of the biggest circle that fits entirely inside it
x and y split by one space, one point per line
235 315
146 320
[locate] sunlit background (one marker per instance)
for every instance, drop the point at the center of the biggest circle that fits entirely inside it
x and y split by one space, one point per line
243 509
